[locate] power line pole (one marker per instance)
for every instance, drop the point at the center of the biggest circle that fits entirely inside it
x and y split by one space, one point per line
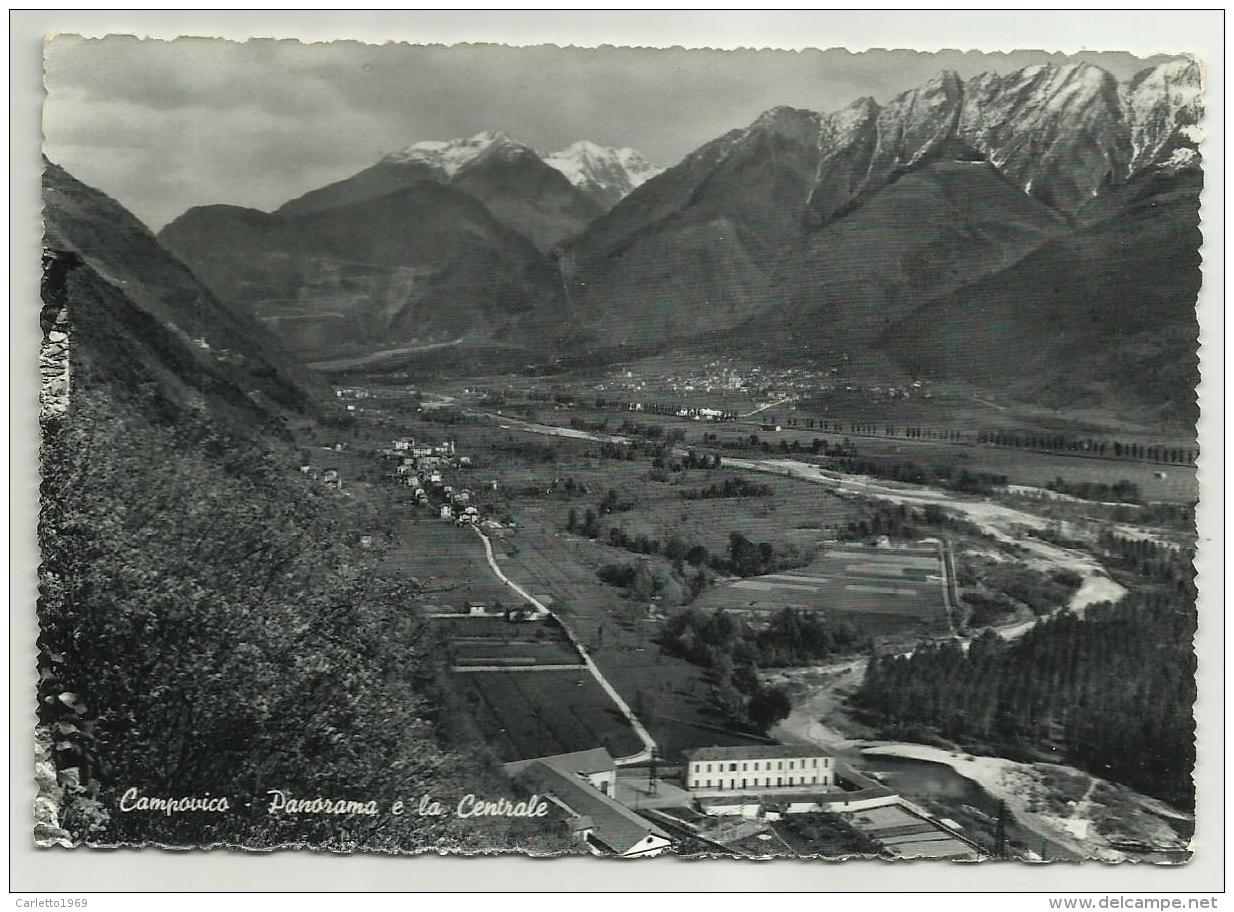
1000 833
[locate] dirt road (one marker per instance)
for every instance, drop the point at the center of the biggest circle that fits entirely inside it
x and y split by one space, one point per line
649 745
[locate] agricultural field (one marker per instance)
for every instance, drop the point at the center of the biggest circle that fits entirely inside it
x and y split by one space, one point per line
1020 466
526 714
793 515
1038 469
538 478
494 641
878 590
449 563
1168 483
669 695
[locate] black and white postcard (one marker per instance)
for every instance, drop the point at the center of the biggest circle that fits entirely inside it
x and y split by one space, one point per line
619 452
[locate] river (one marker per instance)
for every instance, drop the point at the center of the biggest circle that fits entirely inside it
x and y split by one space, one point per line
923 781
1001 522
915 778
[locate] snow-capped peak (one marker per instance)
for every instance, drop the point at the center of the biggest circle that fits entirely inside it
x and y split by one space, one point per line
450 156
1163 106
602 172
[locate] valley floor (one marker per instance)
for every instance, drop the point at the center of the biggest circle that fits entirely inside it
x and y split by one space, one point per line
537 562
1084 814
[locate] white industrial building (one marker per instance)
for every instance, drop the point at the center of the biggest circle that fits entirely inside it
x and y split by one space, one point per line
759 766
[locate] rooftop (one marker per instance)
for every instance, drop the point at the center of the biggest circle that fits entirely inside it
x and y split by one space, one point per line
616 826
754 752
729 800
585 762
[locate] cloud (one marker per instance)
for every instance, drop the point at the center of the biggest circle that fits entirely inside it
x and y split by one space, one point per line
165 125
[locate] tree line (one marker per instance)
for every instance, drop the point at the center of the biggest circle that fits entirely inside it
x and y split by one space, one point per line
730 487
944 475
733 651
1060 443
1171 569
818 446
901 521
1113 691
1121 491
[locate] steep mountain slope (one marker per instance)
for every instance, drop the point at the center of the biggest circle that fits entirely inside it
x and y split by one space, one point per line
1104 314
521 191
937 228
1058 132
828 232
182 553
693 249
864 147
1062 133
525 194
606 175
143 324
836 232
425 264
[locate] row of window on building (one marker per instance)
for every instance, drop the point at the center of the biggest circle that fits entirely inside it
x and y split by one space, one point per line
757 782
766 765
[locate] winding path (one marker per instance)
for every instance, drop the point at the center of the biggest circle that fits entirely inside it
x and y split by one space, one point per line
649 744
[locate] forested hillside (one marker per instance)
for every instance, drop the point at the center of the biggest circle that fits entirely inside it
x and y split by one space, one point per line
212 626
212 623
1112 692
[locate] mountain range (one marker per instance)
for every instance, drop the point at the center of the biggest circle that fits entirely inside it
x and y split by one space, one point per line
943 232
141 325
604 174
438 240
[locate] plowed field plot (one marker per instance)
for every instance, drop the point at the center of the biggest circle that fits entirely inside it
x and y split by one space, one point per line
882 590
525 714
479 641
670 696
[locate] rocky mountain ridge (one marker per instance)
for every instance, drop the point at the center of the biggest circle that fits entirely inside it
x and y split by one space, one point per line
1062 133
832 233
827 231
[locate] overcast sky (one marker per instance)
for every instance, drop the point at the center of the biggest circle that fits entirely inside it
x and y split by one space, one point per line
162 126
